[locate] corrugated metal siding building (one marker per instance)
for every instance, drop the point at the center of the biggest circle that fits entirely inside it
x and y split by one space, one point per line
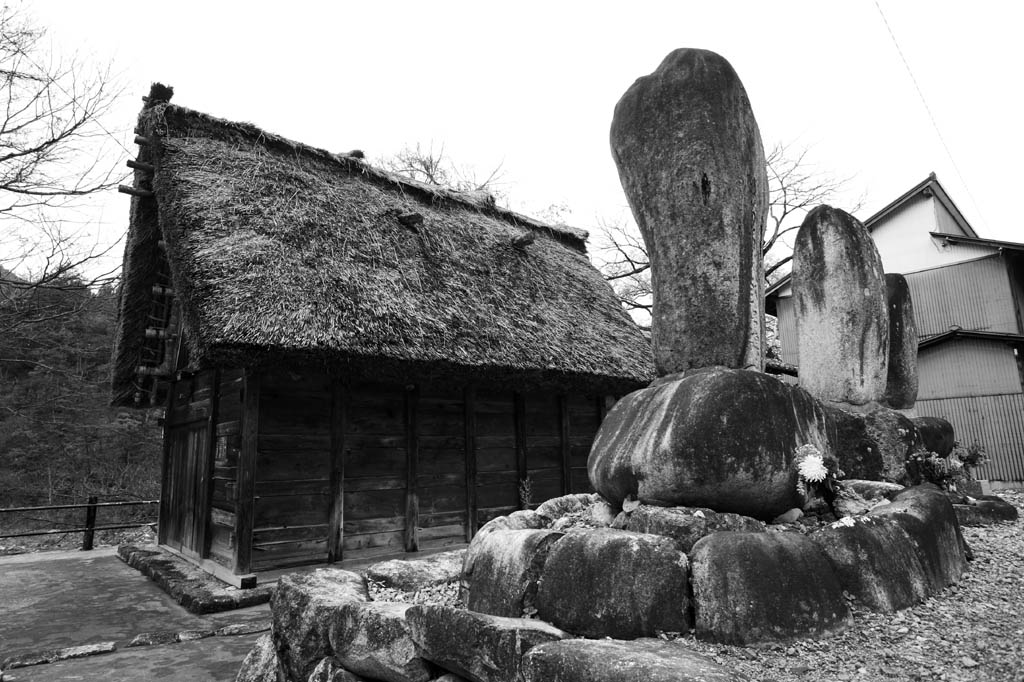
967 295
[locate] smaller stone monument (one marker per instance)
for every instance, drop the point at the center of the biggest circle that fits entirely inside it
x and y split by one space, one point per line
843 320
901 381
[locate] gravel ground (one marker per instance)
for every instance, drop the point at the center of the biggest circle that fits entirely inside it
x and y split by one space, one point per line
973 631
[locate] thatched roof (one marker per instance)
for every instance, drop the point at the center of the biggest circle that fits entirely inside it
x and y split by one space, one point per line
282 252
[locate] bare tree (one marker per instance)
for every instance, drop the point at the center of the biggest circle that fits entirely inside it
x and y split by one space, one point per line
55 155
794 188
435 168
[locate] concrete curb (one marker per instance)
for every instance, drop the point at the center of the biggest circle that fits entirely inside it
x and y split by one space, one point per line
25 660
197 591
53 655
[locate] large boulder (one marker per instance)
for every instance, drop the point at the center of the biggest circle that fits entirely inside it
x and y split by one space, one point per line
613 583
873 445
649 660
873 491
875 561
301 608
410 575
503 578
691 162
478 647
985 511
755 587
927 516
261 664
330 670
936 435
685 525
524 519
901 381
372 639
842 318
718 438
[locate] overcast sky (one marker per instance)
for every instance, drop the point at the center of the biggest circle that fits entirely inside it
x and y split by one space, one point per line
532 85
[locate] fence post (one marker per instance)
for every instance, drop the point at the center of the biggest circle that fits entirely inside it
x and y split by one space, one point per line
90 523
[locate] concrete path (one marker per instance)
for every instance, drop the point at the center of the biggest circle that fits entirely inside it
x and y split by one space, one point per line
60 599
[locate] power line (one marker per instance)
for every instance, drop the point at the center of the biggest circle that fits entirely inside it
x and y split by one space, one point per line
928 109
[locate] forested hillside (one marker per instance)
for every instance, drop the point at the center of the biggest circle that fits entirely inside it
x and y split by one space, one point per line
60 442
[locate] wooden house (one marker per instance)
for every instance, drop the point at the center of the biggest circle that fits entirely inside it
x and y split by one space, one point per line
968 296
352 363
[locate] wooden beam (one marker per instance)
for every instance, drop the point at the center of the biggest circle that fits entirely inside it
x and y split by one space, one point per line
141 141
412 501
141 165
247 472
563 425
336 514
135 191
469 419
522 472
161 290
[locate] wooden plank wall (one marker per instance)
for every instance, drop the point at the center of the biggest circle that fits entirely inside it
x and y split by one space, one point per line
291 493
375 471
497 465
221 540
421 467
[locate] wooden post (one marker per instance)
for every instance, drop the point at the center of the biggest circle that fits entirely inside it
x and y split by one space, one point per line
563 424
336 518
166 490
90 524
247 472
522 471
469 419
412 501
202 546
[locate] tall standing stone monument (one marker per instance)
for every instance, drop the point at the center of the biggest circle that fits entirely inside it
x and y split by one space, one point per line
691 161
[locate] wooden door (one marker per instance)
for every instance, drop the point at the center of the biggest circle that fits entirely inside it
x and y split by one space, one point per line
187 478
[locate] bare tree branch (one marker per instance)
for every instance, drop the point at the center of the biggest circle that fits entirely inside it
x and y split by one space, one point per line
434 168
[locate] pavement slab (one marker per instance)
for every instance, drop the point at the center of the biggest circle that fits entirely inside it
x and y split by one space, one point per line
55 600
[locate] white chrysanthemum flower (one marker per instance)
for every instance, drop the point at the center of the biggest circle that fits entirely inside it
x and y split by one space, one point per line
812 469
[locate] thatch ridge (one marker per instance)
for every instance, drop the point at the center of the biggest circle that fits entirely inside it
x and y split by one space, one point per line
280 250
198 123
